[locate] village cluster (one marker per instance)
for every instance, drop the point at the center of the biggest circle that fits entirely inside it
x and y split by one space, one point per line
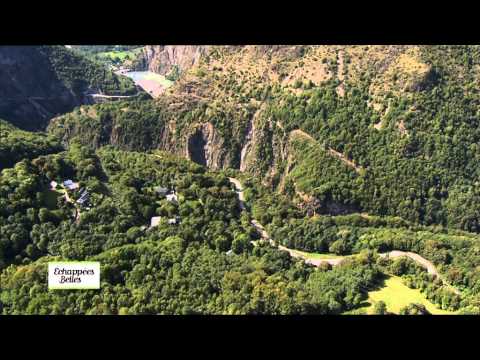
70 187
172 197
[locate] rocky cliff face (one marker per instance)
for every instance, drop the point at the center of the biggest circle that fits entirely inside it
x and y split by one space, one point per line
162 58
30 91
206 147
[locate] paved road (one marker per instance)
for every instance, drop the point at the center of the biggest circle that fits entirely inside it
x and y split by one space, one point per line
431 269
239 191
46 98
110 96
263 233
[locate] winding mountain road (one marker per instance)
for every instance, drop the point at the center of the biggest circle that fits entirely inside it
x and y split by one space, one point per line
431 269
111 96
51 98
263 233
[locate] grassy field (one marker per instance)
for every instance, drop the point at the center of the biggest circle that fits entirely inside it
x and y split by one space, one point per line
120 55
114 54
316 256
396 295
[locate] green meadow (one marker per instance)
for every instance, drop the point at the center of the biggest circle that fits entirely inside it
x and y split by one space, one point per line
396 295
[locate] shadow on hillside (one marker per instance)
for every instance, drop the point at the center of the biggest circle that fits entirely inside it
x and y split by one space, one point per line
380 283
364 305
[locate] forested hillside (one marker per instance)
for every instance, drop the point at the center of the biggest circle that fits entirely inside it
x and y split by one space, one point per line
205 264
345 153
17 145
95 49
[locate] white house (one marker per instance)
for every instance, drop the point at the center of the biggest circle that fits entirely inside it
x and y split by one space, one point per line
155 221
53 185
172 221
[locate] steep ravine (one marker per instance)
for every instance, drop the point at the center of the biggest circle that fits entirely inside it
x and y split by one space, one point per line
251 138
41 82
197 148
247 145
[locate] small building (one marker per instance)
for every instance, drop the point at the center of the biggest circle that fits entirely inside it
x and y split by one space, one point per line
70 185
172 197
229 252
83 200
160 190
155 221
174 221
84 197
53 185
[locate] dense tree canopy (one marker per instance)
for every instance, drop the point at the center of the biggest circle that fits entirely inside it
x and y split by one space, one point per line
16 145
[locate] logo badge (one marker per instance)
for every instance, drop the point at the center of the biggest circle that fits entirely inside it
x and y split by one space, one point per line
73 275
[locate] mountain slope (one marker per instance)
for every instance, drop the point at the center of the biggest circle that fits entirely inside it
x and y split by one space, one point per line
39 82
345 150
403 118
